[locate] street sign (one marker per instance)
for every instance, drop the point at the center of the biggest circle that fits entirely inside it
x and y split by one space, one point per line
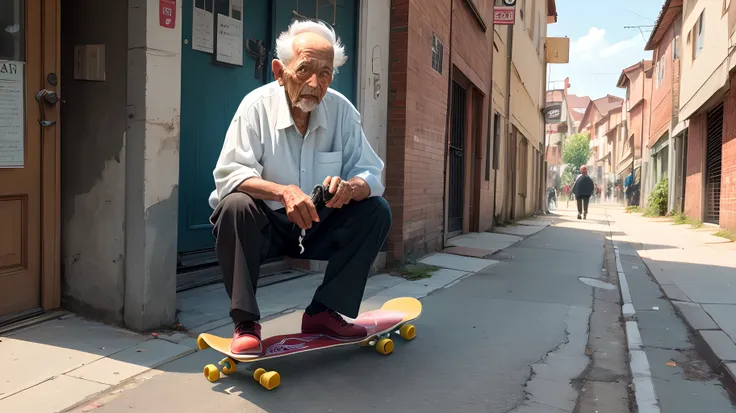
504 15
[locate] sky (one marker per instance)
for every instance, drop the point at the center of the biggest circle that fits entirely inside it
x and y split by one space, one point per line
600 46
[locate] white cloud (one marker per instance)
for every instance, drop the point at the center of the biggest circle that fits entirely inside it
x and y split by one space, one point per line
595 62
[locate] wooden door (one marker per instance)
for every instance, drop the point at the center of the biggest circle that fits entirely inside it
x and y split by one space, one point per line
28 156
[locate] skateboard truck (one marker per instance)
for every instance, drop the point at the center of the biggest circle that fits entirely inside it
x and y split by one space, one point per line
320 196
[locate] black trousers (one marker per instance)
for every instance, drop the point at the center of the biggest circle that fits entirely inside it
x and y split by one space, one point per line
583 202
248 232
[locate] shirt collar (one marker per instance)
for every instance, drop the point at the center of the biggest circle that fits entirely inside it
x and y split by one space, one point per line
284 119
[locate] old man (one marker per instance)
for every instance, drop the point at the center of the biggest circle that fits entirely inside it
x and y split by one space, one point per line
286 138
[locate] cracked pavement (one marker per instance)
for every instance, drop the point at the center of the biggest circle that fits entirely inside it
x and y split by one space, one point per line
511 338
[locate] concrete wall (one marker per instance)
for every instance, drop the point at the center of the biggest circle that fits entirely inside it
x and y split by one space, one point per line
499 98
93 138
706 73
373 63
527 80
528 99
152 167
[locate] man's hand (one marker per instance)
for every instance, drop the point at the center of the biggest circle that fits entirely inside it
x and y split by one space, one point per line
299 208
342 191
355 189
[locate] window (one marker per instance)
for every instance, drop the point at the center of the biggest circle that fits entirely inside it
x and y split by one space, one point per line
676 47
677 39
660 70
699 30
438 51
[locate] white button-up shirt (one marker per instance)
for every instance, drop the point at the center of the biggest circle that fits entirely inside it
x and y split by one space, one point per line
263 141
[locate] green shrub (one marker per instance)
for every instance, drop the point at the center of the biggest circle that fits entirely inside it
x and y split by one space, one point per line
657 206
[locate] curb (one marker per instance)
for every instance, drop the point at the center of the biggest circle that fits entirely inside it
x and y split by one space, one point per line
643 387
710 349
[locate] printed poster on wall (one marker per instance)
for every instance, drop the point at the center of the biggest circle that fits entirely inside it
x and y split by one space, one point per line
12 114
229 42
203 26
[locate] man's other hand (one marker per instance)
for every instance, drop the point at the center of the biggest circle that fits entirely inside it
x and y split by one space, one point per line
342 191
299 208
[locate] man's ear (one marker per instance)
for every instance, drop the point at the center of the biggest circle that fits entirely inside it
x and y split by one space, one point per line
278 71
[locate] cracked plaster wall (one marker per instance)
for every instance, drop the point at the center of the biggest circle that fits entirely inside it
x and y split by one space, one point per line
93 134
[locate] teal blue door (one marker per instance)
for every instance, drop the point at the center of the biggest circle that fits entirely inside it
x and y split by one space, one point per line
211 93
342 15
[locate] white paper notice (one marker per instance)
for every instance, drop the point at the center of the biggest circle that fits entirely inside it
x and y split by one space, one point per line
229 40
12 117
202 30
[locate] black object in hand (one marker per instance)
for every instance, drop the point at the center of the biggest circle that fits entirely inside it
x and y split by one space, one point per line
321 195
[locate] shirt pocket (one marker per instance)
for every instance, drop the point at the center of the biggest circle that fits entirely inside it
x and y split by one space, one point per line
328 164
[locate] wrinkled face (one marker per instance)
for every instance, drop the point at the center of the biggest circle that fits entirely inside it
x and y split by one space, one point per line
308 76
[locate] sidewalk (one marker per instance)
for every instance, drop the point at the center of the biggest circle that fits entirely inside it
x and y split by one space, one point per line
697 272
66 362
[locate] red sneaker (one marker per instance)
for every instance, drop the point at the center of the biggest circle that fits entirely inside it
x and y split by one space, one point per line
247 340
332 324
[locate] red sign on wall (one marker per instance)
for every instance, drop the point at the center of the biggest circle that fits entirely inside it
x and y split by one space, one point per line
167 13
504 15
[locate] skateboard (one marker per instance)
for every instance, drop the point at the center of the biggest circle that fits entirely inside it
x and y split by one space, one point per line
393 317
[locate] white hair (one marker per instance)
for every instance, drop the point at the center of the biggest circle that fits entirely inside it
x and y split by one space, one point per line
285 42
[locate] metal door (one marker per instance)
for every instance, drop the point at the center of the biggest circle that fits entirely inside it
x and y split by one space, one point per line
211 92
713 165
456 192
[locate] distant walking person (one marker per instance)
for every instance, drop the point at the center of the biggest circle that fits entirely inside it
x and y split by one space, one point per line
551 197
583 189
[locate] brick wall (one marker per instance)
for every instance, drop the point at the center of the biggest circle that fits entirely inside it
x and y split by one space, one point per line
416 162
662 94
396 126
696 145
728 162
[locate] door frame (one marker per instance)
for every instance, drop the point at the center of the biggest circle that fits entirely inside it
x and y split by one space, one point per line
50 38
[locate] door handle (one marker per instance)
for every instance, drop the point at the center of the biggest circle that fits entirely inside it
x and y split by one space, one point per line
45 98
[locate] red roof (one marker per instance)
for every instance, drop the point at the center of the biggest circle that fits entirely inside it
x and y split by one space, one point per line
577 102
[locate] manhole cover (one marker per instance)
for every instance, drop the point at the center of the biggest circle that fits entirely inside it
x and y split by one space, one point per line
597 283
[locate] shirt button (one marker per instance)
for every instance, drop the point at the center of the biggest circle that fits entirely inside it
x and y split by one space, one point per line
304 170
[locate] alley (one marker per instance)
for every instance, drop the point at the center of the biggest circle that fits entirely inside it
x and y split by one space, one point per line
479 339
534 327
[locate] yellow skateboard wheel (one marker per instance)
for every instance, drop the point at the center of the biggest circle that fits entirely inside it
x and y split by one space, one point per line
211 373
408 332
270 380
228 365
201 344
385 346
258 373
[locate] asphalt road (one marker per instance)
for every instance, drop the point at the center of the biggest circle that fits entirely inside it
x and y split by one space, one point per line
478 342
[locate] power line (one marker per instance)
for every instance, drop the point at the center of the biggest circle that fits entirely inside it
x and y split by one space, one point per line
640 30
640 15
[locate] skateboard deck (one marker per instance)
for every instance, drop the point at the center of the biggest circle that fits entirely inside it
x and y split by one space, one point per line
393 316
